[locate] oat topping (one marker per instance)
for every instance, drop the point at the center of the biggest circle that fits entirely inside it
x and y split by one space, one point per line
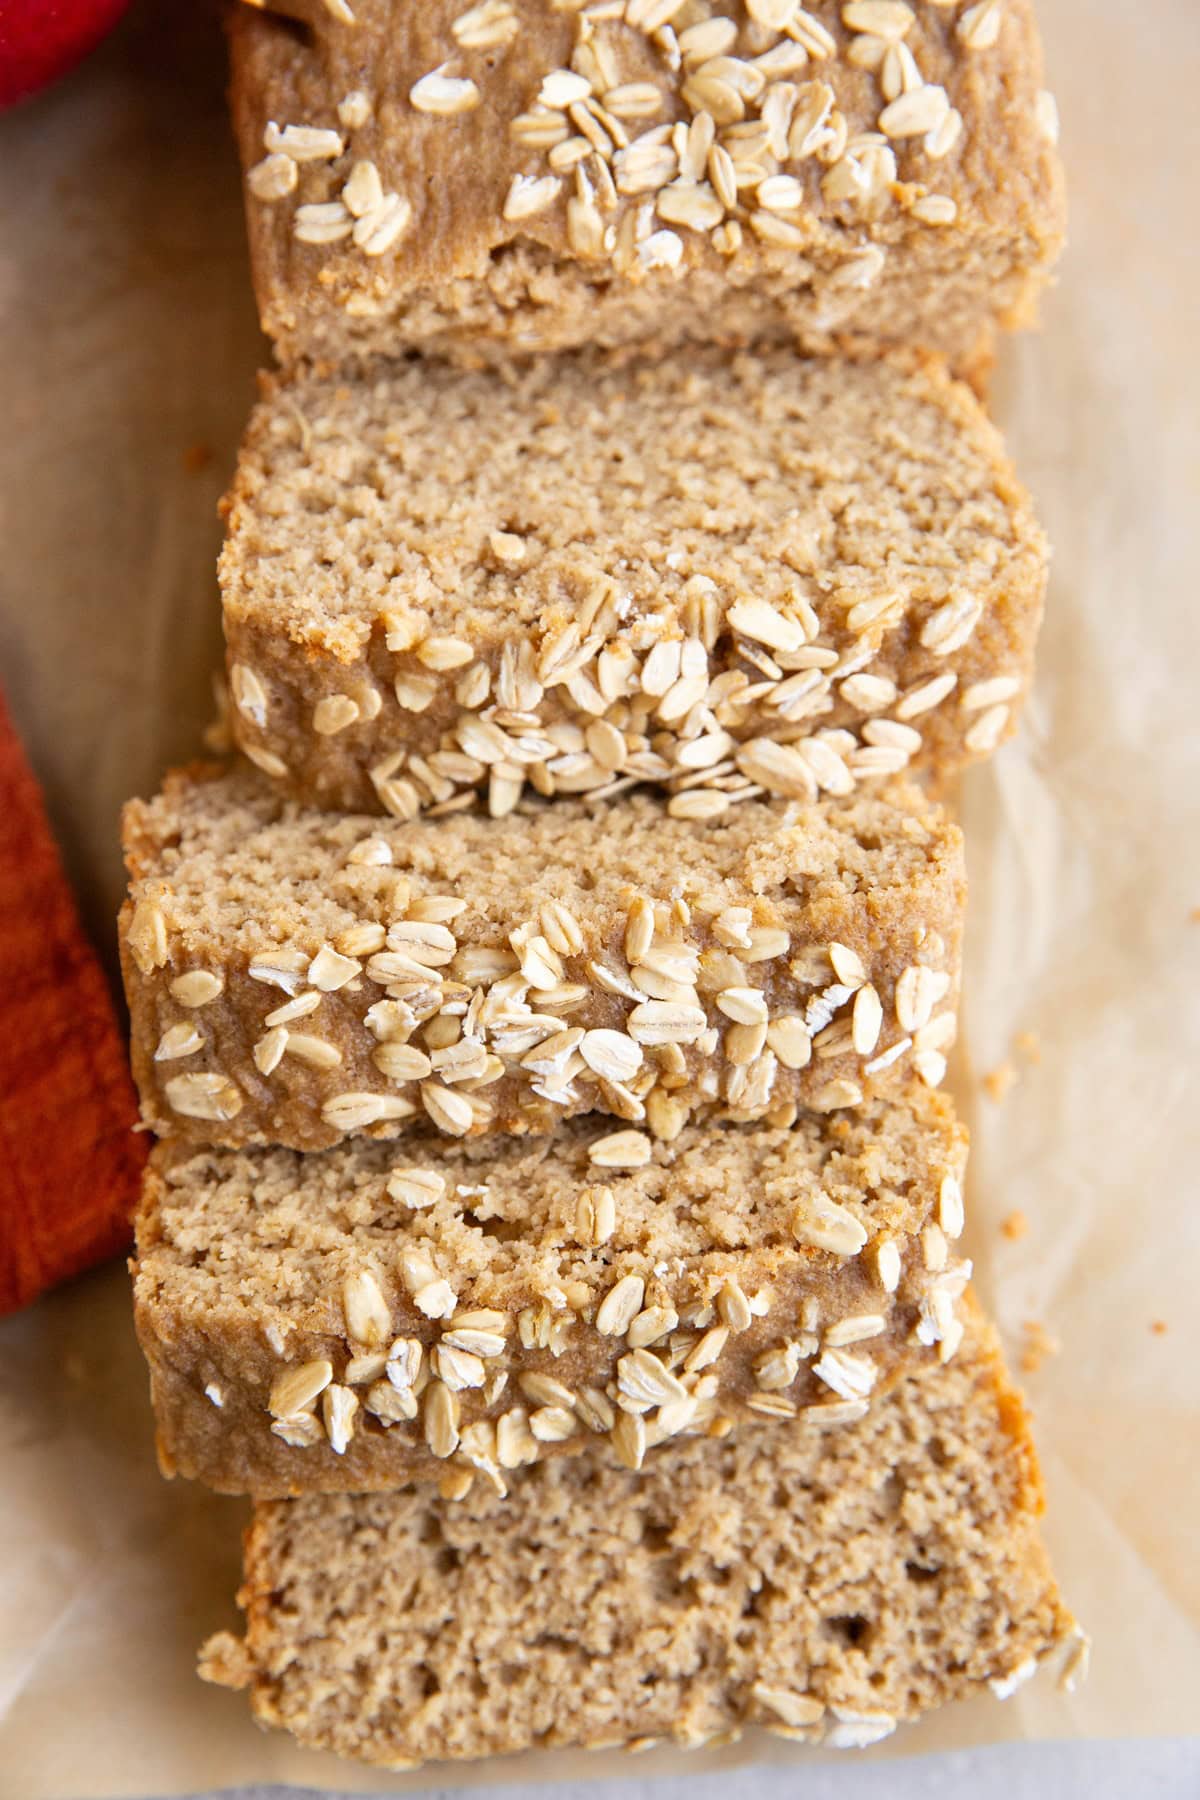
444 94
354 109
730 134
595 707
707 1520
705 1004
1047 116
855 1731
490 25
1076 1659
1005 1686
208 1095
683 1346
178 1041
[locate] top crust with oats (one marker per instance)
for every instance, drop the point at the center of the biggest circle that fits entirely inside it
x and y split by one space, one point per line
726 575
513 176
297 976
350 1320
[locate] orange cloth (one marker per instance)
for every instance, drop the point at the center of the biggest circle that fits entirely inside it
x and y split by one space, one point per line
69 1160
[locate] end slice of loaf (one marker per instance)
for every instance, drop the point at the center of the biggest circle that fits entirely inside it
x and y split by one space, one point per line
294 976
721 574
824 1584
553 175
352 1319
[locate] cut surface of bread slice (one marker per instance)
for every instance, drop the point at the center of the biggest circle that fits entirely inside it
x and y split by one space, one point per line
294 976
500 180
722 574
827 1584
355 1318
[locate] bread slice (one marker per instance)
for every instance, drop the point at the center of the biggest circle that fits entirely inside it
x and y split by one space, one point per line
295 976
516 177
826 1584
719 573
353 1319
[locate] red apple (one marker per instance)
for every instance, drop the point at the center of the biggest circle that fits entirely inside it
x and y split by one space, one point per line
41 39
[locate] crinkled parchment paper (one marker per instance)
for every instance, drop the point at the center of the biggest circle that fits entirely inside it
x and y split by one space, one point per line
127 352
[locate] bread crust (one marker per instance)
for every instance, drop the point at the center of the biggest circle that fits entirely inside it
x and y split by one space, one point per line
461 278
720 961
736 1258
440 588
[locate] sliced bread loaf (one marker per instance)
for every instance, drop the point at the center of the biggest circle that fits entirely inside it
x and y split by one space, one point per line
294 976
826 1584
355 1318
726 575
513 177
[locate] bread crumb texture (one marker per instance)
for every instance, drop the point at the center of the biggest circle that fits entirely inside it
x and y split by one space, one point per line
349 1319
824 1584
727 575
296 976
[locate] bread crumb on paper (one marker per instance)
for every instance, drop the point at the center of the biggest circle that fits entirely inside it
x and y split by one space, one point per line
1039 1345
197 457
997 1081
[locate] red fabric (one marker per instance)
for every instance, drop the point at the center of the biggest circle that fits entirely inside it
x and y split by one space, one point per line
41 39
69 1159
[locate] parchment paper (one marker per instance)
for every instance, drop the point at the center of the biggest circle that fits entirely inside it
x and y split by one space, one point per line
127 350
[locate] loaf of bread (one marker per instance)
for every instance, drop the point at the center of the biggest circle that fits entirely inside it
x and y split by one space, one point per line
359 1317
825 1584
517 176
722 574
294 976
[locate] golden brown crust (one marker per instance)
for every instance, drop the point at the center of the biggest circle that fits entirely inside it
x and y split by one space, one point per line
737 1259
288 986
458 276
712 573
825 1584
